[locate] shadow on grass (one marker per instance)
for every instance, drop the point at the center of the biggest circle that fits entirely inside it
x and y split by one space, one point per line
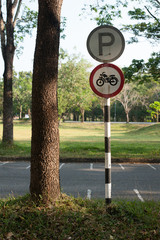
76 218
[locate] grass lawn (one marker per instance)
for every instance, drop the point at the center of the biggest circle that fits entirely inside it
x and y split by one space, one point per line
133 141
78 219
86 140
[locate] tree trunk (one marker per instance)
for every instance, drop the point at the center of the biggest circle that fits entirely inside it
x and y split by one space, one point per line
7 108
82 115
20 112
8 55
157 117
127 116
45 132
29 113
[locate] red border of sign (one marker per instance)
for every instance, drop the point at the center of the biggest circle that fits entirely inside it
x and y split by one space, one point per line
92 76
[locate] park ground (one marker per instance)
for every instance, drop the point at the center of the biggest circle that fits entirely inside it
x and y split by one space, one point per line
85 141
77 218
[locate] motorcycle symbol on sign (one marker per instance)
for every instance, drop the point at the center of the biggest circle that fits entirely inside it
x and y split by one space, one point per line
103 78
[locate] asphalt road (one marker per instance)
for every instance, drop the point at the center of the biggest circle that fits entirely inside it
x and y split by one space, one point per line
129 181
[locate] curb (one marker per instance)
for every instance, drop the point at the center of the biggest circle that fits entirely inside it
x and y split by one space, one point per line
85 160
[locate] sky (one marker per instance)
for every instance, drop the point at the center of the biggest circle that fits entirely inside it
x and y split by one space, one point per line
77 31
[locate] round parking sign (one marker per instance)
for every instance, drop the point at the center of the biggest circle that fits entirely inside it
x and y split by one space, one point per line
105 43
106 80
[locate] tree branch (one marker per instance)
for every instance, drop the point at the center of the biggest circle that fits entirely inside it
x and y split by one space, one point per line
2 31
151 14
14 4
158 2
18 9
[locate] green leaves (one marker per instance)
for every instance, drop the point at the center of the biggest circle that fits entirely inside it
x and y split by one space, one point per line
155 110
73 84
104 13
142 72
138 13
22 85
145 17
153 65
147 21
25 25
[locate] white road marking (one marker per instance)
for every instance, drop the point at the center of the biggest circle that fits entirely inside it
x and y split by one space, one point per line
61 165
151 166
138 195
91 166
28 167
121 166
89 192
3 163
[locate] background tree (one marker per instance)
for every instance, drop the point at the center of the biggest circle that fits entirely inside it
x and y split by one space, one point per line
128 97
147 20
153 66
11 31
45 132
22 90
103 12
73 88
155 110
141 72
96 111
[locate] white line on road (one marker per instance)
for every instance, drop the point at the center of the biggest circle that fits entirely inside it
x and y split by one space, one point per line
3 163
89 192
138 195
121 166
151 166
91 166
61 165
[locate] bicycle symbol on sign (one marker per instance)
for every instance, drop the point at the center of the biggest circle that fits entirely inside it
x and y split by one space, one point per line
103 78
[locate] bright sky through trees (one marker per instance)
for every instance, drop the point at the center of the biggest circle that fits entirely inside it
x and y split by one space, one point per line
77 31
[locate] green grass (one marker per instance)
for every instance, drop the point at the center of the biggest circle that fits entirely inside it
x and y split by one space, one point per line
78 219
128 141
86 140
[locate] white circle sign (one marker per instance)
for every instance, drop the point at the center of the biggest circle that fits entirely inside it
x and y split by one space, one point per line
105 43
106 80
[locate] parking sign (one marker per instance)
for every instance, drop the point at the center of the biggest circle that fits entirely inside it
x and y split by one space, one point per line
105 43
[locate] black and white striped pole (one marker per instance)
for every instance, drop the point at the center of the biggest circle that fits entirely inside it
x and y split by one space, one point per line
107 127
107 80
106 44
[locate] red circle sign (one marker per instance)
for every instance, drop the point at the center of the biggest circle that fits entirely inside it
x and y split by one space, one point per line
106 80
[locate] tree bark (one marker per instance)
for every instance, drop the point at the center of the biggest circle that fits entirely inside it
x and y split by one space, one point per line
45 132
8 55
7 107
82 115
20 112
127 116
157 117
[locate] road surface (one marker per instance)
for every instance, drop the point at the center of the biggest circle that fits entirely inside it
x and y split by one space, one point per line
129 181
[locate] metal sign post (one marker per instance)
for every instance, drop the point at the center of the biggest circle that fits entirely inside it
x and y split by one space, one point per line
107 128
107 80
106 44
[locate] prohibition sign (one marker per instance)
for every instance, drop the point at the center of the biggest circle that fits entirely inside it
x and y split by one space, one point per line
106 80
